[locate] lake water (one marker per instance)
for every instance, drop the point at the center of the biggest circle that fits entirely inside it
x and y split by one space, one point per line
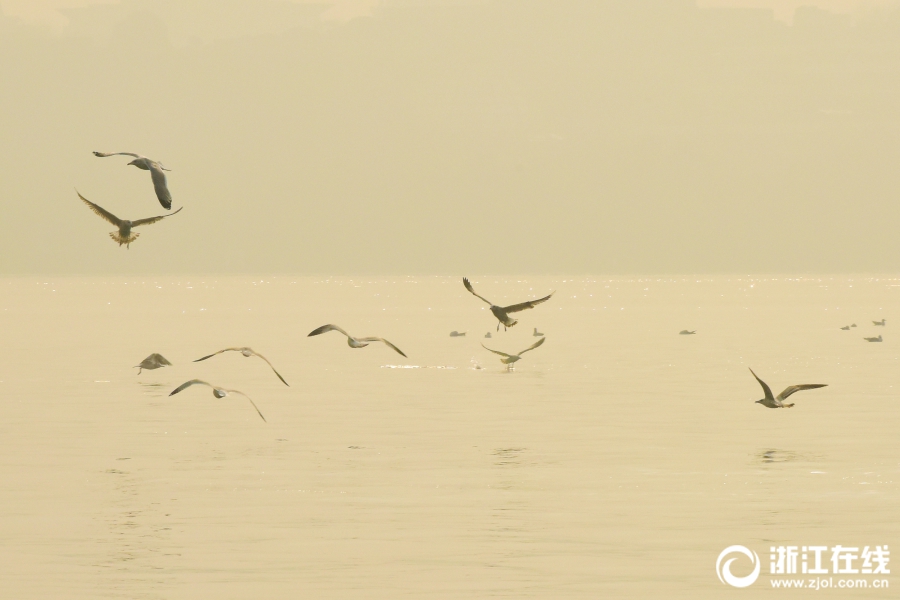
617 460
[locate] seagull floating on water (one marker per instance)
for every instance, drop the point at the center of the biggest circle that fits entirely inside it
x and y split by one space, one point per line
686 332
154 361
875 339
217 392
488 334
124 234
248 352
156 174
881 323
509 359
771 401
845 328
501 312
537 333
457 334
352 341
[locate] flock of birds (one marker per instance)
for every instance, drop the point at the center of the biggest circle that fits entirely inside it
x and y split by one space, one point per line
125 235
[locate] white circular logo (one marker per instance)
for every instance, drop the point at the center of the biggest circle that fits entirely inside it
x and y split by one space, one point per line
724 570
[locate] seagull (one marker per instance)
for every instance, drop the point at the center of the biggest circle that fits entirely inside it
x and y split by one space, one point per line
882 322
772 402
124 235
878 339
352 341
537 333
217 392
686 332
248 352
501 311
511 358
845 328
154 361
156 174
457 334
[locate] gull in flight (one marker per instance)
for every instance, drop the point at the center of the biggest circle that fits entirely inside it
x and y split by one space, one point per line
248 352
217 392
156 174
124 234
352 341
876 339
882 322
154 361
501 312
509 359
771 401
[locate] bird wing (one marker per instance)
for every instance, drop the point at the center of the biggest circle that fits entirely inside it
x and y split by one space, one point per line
472 290
799 388
272 367
105 154
188 384
101 211
159 184
251 402
151 220
524 305
160 359
219 352
496 351
378 339
326 329
765 388
533 346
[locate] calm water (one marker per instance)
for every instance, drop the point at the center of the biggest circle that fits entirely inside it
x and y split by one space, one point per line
617 460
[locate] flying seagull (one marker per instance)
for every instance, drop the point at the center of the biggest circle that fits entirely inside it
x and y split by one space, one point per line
537 333
501 311
686 332
217 392
156 174
352 341
778 402
248 352
154 361
882 322
123 235
509 359
876 339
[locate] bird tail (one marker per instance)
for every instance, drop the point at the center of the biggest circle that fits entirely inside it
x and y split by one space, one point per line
789 405
123 240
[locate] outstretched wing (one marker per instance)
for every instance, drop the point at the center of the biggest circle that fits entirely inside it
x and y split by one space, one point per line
159 184
799 388
188 384
159 358
524 305
496 351
765 388
272 367
533 346
472 291
326 329
105 154
251 402
219 352
150 220
101 211
378 339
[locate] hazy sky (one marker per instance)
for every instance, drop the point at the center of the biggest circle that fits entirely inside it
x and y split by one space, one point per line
417 136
